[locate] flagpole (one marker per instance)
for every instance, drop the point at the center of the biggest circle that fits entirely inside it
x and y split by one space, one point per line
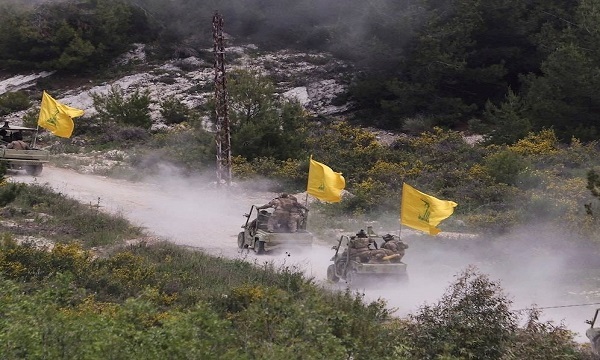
37 128
400 220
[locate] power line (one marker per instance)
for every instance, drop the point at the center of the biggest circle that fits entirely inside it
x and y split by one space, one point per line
558 306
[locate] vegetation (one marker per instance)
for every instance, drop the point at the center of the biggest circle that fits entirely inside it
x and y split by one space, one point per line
520 73
158 300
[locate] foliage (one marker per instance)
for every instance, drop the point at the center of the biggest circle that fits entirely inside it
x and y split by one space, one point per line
188 147
132 110
540 143
288 174
510 125
8 191
68 218
159 300
472 320
13 101
504 166
540 341
70 36
262 126
174 111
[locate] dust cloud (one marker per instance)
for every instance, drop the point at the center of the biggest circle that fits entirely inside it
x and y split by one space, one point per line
536 267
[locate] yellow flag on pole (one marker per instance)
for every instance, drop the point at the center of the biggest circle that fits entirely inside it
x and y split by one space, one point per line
324 183
57 117
423 212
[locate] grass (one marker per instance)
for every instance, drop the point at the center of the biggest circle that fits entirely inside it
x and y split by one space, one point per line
41 212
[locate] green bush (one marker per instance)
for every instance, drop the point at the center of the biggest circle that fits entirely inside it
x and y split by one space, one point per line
472 320
8 191
174 111
504 166
13 101
116 107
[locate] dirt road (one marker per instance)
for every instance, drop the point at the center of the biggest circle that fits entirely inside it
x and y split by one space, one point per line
193 212
190 212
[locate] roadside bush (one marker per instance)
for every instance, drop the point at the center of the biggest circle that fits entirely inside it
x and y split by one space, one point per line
116 107
29 262
9 191
544 341
472 320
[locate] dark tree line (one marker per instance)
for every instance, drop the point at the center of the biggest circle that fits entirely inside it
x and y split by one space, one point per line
503 67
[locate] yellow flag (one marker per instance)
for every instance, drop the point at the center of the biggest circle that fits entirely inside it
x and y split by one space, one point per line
423 212
57 117
324 183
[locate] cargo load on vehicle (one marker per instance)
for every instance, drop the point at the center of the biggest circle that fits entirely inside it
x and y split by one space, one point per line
366 256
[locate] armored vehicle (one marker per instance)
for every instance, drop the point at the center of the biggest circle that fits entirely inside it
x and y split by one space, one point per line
257 237
353 266
31 159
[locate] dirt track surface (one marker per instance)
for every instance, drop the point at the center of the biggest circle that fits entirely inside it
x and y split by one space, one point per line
195 213
189 212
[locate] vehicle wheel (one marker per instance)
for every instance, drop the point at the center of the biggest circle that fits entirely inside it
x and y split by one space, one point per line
331 274
351 277
34 170
260 247
242 241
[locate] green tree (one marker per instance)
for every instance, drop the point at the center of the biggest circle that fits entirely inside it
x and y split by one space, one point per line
509 122
261 125
70 36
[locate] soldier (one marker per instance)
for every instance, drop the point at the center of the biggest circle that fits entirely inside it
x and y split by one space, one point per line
280 215
395 246
297 213
4 137
359 246
18 143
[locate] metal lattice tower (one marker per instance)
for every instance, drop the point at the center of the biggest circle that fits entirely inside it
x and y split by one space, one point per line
223 136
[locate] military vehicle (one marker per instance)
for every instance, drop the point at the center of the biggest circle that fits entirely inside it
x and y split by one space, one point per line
31 160
257 237
352 268
593 334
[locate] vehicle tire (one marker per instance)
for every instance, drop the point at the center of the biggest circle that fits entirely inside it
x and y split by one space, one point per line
260 247
34 170
331 276
351 277
242 241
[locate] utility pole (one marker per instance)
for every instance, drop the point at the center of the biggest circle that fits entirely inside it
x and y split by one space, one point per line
223 136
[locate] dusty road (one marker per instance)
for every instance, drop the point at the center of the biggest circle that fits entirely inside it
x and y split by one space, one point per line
193 212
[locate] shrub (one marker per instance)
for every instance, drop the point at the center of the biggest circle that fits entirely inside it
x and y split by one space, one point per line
116 107
472 320
504 166
540 143
13 101
9 192
174 111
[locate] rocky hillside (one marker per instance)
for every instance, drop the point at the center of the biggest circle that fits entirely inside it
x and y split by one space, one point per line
316 80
